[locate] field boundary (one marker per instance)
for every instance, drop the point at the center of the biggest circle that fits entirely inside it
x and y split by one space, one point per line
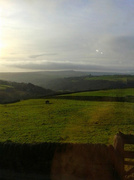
96 98
119 144
57 160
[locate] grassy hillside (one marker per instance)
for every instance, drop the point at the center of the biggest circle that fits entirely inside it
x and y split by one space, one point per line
85 83
40 78
123 78
111 93
65 121
4 87
71 81
12 91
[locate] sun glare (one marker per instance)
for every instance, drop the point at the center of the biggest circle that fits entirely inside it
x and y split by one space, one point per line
1 42
1 45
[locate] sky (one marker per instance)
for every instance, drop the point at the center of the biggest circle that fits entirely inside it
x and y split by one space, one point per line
87 35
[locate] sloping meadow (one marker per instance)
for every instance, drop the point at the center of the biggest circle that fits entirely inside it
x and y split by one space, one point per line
66 121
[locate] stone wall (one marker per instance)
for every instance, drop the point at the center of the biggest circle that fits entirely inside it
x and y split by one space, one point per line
53 161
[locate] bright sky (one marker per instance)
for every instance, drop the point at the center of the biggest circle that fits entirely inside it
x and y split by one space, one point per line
67 34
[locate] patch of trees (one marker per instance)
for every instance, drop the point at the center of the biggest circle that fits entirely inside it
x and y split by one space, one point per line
13 91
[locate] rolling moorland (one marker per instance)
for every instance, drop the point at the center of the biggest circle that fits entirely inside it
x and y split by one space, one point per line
40 78
89 82
12 92
68 117
68 120
71 81
91 117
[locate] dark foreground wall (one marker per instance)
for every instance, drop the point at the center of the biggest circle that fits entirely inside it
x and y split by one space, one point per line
52 161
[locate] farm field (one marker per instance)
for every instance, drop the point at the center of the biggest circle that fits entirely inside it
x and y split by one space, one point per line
122 78
63 120
4 87
111 93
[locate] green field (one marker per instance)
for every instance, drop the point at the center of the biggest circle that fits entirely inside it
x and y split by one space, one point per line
4 87
121 78
74 121
111 93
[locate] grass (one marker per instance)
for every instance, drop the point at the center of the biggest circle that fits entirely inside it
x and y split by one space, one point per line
111 93
4 87
122 78
33 121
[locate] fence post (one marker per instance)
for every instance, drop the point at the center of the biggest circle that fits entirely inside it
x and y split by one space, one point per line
119 149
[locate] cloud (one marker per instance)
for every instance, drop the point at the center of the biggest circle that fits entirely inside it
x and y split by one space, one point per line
123 43
122 47
95 33
45 54
73 66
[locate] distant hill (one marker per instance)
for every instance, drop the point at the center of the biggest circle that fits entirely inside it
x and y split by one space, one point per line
12 91
72 81
85 83
46 79
40 78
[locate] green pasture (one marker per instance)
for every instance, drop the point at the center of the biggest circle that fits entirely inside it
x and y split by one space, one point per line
122 78
61 120
111 93
4 87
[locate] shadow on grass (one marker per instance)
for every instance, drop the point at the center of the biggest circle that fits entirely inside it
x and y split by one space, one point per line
98 98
